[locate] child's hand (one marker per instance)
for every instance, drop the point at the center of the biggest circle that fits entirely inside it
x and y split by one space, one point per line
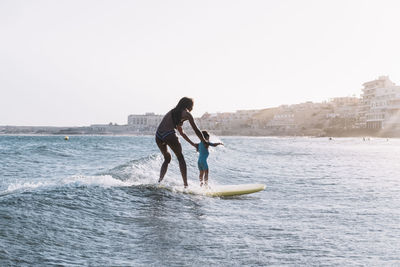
197 147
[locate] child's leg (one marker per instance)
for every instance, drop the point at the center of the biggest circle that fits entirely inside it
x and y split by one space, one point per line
206 177
201 177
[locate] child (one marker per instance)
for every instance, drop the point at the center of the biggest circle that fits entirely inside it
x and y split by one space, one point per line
203 155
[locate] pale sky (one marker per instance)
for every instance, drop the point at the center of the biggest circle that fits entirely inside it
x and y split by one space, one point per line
77 62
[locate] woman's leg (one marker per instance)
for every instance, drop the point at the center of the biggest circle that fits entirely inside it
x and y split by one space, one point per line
167 157
173 142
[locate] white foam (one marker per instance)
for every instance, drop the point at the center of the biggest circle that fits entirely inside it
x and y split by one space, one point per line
75 181
147 172
25 186
102 180
134 174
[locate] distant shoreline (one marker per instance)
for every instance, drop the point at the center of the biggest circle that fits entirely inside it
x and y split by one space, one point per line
126 130
217 134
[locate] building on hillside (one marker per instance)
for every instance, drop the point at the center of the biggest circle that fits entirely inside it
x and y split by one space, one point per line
263 116
344 107
227 120
299 116
283 120
380 105
222 120
208 121
343 112
245 115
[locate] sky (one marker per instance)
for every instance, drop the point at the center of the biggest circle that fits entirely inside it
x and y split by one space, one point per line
83 62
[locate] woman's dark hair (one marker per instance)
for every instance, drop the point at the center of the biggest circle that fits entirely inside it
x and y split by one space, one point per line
184 103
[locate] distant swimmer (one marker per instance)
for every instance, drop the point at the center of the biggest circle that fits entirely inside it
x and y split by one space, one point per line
166 136
203 155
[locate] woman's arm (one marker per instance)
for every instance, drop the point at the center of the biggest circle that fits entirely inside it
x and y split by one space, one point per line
194 127
180 130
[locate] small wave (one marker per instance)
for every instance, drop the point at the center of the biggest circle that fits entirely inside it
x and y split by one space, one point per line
146 171
24 186
102 180
20 187
73 181
139 171
48 151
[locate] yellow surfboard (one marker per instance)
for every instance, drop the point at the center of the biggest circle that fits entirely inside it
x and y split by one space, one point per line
219 190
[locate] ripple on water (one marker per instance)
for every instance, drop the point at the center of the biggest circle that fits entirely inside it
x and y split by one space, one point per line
326 203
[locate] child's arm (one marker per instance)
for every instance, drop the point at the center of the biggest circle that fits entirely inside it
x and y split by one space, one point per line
215 144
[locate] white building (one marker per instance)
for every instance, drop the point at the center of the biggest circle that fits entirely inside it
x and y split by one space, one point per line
345 101
146 121
344 107
380 105
285 120
245 115
227 120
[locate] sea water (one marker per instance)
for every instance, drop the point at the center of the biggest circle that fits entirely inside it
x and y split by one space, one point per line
94 201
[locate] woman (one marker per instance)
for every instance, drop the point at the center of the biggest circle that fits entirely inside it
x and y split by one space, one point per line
166 135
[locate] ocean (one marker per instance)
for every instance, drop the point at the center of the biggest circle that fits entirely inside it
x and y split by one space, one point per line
94 201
